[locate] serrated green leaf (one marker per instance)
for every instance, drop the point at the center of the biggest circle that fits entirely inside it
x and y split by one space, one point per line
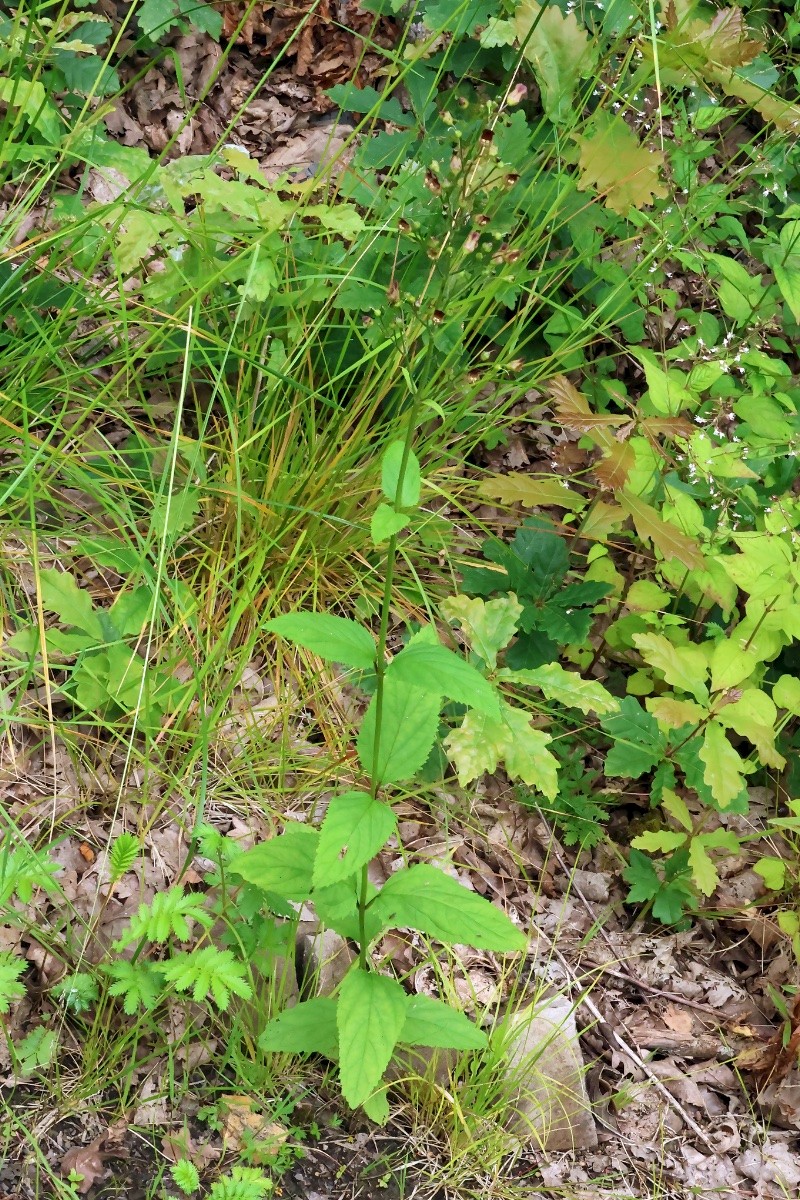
684 667
307 1028
390 476
370 1015
283 865
488 625
337 909
425 898
409 724
73 605
660 841
482 742
335 639
567 687
385 523
431 1022
723 766
11 968
639 744
435 669
353 831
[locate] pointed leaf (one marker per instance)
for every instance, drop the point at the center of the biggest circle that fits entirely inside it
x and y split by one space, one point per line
425 898
431 1022
435 669
308 1028
409 724
390 476
353 831
335 639
370 1015
283 865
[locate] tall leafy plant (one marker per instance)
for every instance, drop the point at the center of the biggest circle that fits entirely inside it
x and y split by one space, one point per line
371 1016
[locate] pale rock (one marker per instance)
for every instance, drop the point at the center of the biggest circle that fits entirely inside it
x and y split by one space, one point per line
546 1072
323 959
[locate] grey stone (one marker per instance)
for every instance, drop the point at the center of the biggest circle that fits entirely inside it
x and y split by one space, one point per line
323 959
545 1074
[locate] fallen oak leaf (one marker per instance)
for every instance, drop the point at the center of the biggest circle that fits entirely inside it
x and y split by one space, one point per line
87 1162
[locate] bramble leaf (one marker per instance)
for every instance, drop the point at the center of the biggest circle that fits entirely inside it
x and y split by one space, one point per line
435 669
409 724
431 1022
425 898
370 1015
639 744
335 639
283 865
353 831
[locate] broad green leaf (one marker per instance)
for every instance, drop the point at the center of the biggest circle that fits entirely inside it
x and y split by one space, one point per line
337 908
376 1106
786 694
764 566
425 898
754 716
773 871
131 611
353 831
390 476
61 595
370 1015
307 1028
489 625
483 742
31 98
704 871
626 174
677 808
639 744
567 687
723 766
560 52
409 724
434 668
283 865
684 667
730 664
669 394
661 841
786 267
385 523
335 639
431 1022
673 713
